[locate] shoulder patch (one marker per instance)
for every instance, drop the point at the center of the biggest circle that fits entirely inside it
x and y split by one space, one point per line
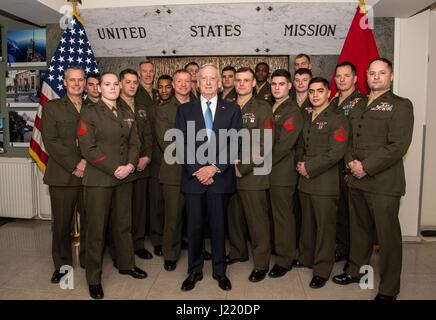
340 134
289 124
82 128
268 123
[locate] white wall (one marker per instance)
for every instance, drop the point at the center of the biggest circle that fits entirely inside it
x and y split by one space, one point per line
411 56
428 213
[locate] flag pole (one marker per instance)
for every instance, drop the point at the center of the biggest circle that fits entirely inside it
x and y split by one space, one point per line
362 6
75 233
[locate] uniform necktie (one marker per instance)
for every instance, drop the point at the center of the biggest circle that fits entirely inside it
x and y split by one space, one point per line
114 111
208 120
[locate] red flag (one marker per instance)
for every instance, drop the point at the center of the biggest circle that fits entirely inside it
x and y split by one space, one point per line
359 49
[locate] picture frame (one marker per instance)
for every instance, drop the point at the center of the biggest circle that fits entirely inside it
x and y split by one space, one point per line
21 125
26 47
23 87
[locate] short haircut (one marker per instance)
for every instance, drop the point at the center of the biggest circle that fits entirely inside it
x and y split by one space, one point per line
128 71
262 63
346 64
302 71
246 69
302 55
93 75
192 63
106 73
229 68
180 71
146 62
73 68
388 62
282 73
210 65
165 77
322 80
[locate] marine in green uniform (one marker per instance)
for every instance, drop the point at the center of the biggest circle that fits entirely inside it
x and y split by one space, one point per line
252 203
228 82
148 98
170 175
109 142
92 94
301 60
165 88
321 146
287 124
129 81
382 128
262 90
65 168
343 103
193 68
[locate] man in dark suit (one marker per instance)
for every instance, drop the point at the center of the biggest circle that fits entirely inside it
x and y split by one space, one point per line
208 179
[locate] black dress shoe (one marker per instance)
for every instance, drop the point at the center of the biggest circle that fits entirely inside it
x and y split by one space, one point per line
57 276
191 280
207 255
234 260
296 263
223 282
96 291
170 265
257 275
340 256
345 279
317 282
158 250
384 297
135 272
82 266
278 271
144 254
114 263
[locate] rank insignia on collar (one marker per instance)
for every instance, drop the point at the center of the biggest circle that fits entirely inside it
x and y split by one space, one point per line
321 124
383 106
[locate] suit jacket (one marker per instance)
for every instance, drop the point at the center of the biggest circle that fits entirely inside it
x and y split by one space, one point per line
143 126
381 135
287 124
227 116
106 142
58 128
150 103
166 119
321 146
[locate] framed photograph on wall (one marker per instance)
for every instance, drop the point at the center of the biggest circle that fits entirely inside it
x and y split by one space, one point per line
23 87
26 47
21 125
2 134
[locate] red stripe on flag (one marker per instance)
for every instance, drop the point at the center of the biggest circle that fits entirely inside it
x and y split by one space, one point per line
37 149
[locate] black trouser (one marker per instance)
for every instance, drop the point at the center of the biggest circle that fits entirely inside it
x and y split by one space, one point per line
199 207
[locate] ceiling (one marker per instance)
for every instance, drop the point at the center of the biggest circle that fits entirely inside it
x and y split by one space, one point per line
41 12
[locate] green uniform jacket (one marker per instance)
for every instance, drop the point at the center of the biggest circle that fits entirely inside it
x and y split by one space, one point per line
321 146
88 102
348 104
381 136
231 96
306 109
144 100
264 93
58 129
107 142
287 125
256 114
144 133
170 174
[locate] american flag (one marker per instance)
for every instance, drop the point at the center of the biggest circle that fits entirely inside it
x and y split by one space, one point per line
73 50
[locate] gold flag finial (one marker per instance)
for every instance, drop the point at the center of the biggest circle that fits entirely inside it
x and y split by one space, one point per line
362 6
75 3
